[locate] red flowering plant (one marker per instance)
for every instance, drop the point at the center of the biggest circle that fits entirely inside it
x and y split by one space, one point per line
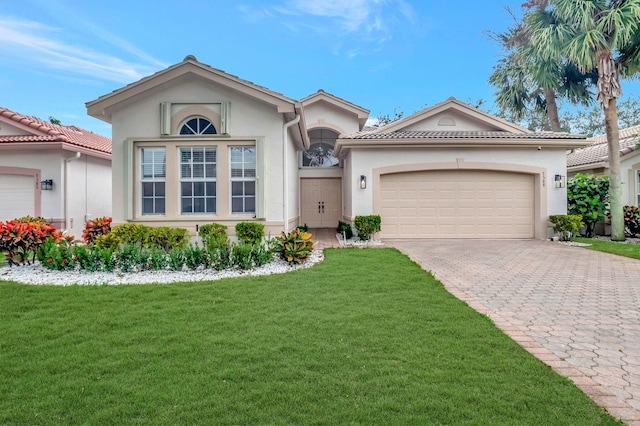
20 238
95 227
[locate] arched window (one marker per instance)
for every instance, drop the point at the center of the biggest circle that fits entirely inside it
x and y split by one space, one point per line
320 153
197 126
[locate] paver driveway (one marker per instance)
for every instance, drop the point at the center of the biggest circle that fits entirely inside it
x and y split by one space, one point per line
577 310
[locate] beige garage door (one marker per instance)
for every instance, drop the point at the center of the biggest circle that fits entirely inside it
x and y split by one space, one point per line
17 195
457 204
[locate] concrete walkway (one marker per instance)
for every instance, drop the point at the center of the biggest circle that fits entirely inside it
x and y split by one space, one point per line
575 309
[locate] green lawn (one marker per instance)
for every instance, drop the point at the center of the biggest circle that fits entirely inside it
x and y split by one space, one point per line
366 337
622 249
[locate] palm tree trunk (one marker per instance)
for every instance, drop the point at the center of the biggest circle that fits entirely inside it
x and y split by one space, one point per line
552 109
615 187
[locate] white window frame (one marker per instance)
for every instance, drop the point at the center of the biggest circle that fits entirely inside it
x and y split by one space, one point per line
205 179
154 179
248 175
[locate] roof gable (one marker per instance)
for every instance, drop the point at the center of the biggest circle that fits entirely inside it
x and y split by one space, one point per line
100 108
451 115
321 96
33 130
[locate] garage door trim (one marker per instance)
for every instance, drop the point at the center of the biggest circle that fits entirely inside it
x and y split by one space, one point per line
539 191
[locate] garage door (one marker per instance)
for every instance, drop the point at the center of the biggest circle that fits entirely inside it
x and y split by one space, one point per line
17 195
457 204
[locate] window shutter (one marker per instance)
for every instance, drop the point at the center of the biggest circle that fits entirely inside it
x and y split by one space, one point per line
165 118
224 117
260 179
128 173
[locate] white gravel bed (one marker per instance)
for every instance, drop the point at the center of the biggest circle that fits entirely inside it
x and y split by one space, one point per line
37 275
357 242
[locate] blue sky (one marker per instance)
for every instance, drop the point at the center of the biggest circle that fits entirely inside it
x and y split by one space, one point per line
383 55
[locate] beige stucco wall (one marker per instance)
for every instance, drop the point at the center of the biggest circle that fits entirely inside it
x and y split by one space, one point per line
323 115
249 119
370 161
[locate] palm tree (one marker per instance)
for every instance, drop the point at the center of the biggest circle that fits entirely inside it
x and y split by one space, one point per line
527 81
591 34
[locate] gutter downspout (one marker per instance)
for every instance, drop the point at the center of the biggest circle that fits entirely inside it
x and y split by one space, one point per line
285 171
66 189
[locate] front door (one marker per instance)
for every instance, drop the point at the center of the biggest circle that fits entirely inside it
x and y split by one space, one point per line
321 202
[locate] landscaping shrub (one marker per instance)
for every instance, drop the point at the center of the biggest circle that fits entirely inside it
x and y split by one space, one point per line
345 229
129 258
220 254
95 227
566 225
587 196
294 247
176 259
19 239
303 228
166 238
366 226
241 256
156 259
632 221
196 257
249 232
107 241
131 233
213 230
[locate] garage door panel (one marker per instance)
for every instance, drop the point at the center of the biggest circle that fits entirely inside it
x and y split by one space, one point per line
17 193
457 204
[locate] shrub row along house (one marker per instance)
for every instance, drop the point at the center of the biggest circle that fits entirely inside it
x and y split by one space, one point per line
61 173
193 145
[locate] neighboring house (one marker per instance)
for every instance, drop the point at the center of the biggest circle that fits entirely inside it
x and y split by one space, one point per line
193 145
594 159
61 173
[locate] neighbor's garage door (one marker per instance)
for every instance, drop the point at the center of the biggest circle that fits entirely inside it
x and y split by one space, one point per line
457 204
17 196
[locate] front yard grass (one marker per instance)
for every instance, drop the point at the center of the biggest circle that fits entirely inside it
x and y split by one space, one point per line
628 250
366 337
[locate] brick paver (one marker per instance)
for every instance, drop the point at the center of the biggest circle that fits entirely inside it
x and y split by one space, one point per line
577 310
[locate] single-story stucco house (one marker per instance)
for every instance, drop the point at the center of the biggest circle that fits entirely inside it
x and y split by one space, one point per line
594 159
193 145
62 173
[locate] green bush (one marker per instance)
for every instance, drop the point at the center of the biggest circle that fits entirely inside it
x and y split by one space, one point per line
166 238
303 228
294 247
345 229
366 226
156 259
213 230
220 254
241 256
106 241
250 232
587 196
129 258
195 257
131 233
566 225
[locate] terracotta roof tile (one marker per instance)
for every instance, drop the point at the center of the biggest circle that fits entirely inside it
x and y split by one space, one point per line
598 152
50 132
419 134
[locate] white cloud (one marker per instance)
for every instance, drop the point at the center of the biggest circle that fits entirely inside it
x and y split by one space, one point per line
29 41
363 22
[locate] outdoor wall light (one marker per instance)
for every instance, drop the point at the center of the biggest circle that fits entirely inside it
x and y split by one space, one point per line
46 185
363 182
560 181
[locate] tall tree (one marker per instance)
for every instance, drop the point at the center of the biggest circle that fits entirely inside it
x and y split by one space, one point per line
591 34
526 81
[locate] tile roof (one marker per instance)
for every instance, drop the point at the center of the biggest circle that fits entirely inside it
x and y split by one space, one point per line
44 131
598 152
421 134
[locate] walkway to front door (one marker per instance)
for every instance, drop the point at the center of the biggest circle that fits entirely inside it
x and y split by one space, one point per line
321 202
